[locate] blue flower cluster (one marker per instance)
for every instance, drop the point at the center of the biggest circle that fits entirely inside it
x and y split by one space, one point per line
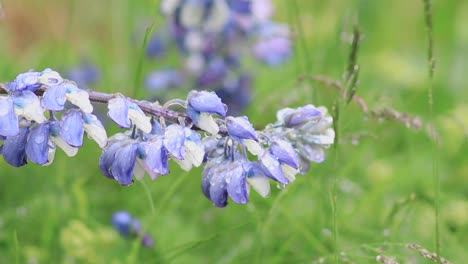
26 131
234 154
212 36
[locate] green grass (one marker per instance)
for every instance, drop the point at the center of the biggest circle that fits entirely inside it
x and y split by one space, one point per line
384 183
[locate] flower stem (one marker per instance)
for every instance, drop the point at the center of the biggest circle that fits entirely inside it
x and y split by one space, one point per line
147 107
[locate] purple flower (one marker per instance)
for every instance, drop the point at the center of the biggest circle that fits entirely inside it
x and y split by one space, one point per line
285 153
121 221
300 116
240 6
240 128
154 157
124 112
164 79
55 96
272 168
84 75
147 241
25 81
214 73
206 102
155 47
273 51
236 93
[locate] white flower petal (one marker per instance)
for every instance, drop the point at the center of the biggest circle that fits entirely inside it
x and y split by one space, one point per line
140 120
95 129
185 164
195 153
69 150
253 147
139 171
207 123
50 156
80 98
260 184
31 108
289 172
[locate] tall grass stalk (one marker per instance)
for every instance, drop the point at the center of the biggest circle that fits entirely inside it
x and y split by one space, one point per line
430 97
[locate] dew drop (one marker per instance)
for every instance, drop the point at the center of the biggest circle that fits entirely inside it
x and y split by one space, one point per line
39 139
280 186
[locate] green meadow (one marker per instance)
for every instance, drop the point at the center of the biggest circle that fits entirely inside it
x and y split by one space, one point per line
398 174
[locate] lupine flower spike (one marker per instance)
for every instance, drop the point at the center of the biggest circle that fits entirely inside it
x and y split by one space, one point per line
204 135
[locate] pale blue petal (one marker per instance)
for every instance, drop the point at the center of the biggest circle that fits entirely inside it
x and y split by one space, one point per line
8 119
240 128
285 153
37 148
107 158
207 102
13 149
54 98
236 183
72 128
156 156
124 164
118 111
218 192
272 168
174 138
302 115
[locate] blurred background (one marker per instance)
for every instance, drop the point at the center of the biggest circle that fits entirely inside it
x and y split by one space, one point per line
385 187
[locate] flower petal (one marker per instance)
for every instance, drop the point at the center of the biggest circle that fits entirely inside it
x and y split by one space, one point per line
79 98
25 81
207 102
174 138
58 140
240 128
49 77
54 98
257 179
107 159
156 156
302 115
138 118
72 128
95 129
123 165
8 119
37 147
273 168
28 105
218 185
236 183
118 111
284 151
13 149
206 122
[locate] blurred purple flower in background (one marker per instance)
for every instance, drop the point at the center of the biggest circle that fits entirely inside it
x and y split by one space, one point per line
84 75
130 227
213 38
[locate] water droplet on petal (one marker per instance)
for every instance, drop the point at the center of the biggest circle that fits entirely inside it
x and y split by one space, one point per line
280 186
39 139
